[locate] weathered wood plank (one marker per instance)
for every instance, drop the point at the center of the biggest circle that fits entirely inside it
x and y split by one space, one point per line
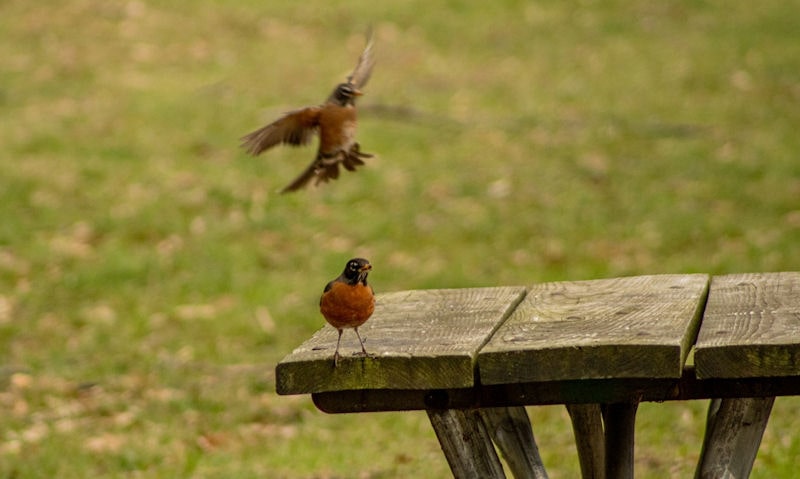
685 388
511 430
733 433
422 339
374 400
751 327
637 327
466 443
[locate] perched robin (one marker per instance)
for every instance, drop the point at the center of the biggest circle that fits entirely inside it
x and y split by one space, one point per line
348 301
334 120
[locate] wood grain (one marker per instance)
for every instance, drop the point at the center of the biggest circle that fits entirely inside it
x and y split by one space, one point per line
733 434
636 327
751 327
466 443
587 426
421 339
511 431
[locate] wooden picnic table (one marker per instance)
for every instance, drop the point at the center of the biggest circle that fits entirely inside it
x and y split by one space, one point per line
473 358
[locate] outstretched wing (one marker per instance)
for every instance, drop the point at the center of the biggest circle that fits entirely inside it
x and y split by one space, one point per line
294 128
363 69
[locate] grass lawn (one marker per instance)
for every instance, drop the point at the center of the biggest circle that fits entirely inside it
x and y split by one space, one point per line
151 277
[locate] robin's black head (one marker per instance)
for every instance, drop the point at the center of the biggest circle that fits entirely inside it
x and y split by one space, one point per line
345 94
356 271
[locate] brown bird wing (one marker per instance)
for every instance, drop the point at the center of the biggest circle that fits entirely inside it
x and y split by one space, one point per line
363 68
294 128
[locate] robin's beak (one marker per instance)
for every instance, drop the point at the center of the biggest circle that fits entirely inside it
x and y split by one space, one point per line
366 267
357 92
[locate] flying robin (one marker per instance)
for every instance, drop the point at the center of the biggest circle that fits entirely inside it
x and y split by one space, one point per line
348 301
334 120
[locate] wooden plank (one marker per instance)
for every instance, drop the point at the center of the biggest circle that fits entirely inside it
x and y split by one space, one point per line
688 387
422 339
375 400
751 327
466 443
733 433
637 327
511 430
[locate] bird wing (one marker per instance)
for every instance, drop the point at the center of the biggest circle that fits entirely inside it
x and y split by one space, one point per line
294 128
363 68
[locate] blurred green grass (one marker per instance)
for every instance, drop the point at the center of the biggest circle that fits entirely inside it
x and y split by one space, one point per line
150 277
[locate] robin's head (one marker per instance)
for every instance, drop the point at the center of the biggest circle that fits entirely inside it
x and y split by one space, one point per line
356 271
345 94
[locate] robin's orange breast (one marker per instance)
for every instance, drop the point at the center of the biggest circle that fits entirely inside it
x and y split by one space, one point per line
347 306
337 128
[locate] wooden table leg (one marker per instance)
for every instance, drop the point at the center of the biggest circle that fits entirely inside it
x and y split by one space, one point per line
466 443
587 426
511 430
619 420
733 434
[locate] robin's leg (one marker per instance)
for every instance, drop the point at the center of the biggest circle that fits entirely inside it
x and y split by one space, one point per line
328 159
336 353
353 158
364 351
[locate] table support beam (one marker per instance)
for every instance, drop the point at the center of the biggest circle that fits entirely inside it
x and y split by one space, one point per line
587 426
466 443
619 420
733 435
511 430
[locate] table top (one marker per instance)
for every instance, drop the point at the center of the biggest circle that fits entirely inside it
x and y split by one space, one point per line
656 337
